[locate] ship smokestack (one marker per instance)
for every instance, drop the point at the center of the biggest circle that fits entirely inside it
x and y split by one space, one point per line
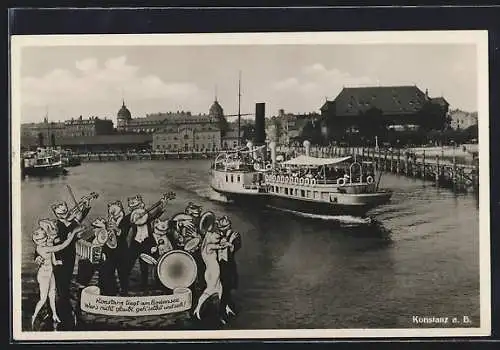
260 128
307 146
272 146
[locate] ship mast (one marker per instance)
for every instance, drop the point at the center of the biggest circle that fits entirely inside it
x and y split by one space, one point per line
239 108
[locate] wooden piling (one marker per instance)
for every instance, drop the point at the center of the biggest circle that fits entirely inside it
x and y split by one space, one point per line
385 159
398 161
437 170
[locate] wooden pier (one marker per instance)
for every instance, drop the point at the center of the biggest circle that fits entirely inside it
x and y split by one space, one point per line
445 171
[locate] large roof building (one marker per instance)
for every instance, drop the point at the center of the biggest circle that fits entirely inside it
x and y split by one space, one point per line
354 107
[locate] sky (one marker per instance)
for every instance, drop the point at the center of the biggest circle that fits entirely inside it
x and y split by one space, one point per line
68 81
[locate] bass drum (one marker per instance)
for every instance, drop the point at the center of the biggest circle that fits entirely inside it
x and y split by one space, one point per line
177 269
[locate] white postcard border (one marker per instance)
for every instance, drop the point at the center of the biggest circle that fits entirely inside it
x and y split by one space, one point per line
477 37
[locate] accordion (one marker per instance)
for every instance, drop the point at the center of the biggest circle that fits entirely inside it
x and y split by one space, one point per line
88 251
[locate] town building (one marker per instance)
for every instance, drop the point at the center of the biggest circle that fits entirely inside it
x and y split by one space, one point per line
230 139
287 128
358 109
179 131
88 127
183 131
157 122
43 133
46 133
460 120
186 137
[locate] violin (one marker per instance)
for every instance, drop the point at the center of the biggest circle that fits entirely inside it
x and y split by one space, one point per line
79 206
143 218
165 197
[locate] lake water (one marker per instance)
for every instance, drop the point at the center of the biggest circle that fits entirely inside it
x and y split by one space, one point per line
421 258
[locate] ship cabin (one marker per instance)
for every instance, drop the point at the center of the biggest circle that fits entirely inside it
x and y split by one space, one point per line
234 172
312 178
41 158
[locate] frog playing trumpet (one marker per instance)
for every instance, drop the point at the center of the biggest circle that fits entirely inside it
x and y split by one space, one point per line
141 220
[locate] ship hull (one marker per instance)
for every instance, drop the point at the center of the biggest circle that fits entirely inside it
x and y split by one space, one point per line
44 171
319 208
352 205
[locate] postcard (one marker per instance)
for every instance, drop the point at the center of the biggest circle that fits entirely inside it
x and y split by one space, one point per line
250 186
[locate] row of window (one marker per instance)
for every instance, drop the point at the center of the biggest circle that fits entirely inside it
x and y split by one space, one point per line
289 191
186 147
238 178
186 137
60 134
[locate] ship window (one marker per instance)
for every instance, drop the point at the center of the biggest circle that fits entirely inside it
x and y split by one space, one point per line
325 195
286 190
303 193
276 190
232 179
238 178
316 194
227 179
291 191
308 194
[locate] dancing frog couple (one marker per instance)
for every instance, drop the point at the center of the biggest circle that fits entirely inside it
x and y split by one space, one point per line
217 250
44 237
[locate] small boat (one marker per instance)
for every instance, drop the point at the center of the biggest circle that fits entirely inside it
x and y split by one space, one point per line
305 184
43 162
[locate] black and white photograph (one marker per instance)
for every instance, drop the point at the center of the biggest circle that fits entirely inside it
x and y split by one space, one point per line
250 186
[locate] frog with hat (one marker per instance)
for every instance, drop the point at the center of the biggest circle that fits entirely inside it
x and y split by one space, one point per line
228 268
105 237
66 222
157 244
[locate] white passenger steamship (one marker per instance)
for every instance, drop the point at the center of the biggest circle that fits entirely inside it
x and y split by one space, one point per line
326 186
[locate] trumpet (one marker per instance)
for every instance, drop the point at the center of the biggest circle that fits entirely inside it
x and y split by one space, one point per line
111 227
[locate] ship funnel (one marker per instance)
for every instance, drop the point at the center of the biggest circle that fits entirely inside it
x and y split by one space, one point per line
272 147
307 146
260 127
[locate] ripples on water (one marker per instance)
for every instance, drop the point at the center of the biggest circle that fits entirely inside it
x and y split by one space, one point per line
419 256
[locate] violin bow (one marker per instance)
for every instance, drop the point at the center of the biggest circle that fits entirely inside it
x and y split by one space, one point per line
72 195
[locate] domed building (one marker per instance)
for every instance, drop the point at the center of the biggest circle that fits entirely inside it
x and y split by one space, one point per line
123 117
216 110
216 113
183 131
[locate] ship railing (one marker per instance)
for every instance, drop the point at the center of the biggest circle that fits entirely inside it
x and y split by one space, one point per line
311 181
251 187
353 167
